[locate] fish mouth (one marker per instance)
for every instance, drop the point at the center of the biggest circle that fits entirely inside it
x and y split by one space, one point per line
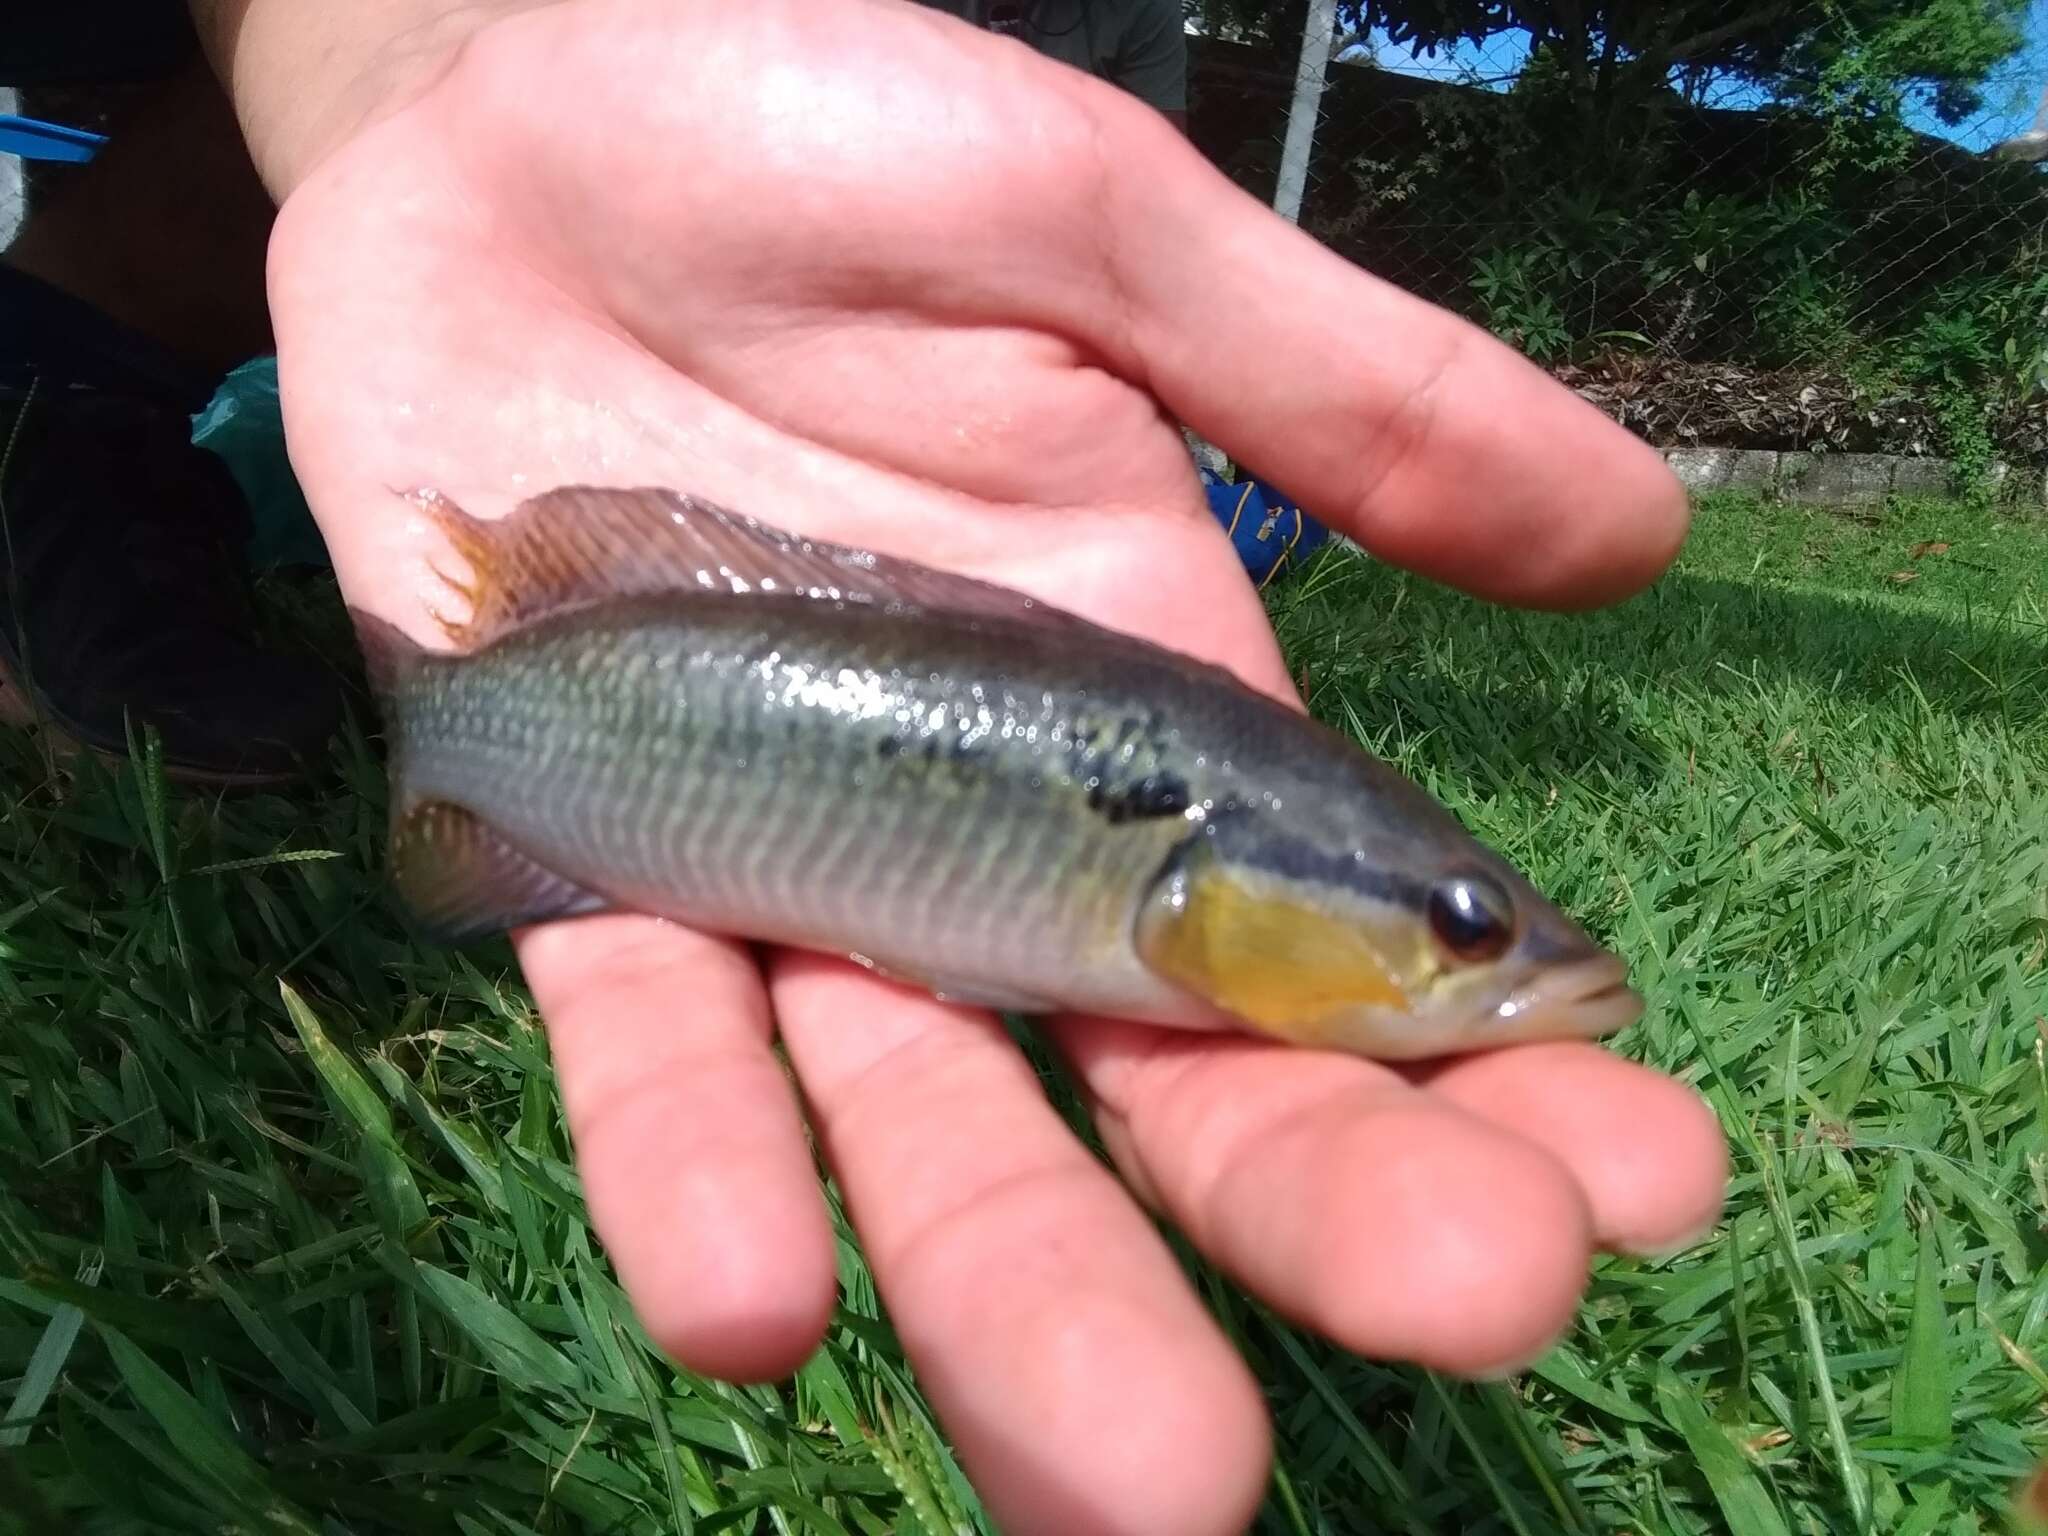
1586 997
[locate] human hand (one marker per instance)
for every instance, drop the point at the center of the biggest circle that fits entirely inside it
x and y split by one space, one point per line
866 273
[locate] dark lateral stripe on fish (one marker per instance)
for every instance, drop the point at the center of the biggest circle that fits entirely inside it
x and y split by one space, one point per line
1296 861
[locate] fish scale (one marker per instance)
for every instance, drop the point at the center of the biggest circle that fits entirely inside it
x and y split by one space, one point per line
844 727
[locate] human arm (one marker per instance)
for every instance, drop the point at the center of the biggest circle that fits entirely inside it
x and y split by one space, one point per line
798 257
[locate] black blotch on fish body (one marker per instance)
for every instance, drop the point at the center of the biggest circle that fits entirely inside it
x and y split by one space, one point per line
931 750
1153 796
1116 763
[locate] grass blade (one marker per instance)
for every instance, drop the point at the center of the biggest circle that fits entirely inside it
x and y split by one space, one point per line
1923 1389
201 1443
40 1375
514 1350
1736 1488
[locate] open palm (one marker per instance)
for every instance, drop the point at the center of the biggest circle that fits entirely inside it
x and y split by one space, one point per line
863 272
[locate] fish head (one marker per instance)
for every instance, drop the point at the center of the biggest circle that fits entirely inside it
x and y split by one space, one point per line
1416 943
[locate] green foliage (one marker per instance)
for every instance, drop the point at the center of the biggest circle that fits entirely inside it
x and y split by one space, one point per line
1808 780
1968 441
1986 324
1857 56
1814 234
1864 57
1268 23
1512 292
290 1235
291 1238
1596 200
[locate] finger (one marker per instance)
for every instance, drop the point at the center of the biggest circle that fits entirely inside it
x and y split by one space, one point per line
1086 1389
1373 1212
1434 445
1647 1151
693 1156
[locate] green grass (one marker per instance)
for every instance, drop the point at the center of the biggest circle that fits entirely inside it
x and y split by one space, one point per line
289 1238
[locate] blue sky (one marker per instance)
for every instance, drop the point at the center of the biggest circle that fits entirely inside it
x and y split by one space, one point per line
2009 101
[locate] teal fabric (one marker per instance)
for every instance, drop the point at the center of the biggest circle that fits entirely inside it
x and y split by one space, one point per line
244 426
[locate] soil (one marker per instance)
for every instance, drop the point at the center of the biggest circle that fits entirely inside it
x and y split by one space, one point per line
1677 404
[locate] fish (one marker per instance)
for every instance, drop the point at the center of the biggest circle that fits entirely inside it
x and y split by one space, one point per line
654 704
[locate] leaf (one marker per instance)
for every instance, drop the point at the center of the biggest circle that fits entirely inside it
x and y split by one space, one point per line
1929 1507
1988 1208
353 1095
176 1324
1923 1389
1736 1487
825 1381
202 1444
514 1350
44 1365
460 1141
394 1195
1562 1370
667 1454
292 1354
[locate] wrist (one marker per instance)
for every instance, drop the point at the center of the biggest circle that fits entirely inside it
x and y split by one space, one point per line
305 78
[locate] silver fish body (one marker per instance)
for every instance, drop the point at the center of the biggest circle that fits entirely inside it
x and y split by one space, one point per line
1010 807
804 774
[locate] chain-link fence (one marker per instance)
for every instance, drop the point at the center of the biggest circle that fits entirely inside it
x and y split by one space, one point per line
1712 262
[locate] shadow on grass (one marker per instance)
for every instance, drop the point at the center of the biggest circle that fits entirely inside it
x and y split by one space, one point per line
1513 696
1707 631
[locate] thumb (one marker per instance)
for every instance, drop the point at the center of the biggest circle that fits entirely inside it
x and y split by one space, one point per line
1431 443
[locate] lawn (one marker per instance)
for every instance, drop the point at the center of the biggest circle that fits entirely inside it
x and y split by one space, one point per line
289 1238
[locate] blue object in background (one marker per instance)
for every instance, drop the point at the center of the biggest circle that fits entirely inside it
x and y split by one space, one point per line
1269 532
33 139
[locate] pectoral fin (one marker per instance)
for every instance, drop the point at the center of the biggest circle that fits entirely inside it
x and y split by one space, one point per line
462 880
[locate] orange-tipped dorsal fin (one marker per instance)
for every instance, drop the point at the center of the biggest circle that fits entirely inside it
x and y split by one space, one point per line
583 544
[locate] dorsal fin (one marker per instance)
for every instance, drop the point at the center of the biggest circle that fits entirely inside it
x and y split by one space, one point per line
582 544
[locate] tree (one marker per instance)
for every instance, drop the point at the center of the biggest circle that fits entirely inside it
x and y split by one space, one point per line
1868 54
1615 59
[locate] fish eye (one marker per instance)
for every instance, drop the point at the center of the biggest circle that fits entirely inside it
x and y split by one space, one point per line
1471 917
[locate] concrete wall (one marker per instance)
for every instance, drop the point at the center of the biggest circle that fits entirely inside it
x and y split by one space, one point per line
1844 479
